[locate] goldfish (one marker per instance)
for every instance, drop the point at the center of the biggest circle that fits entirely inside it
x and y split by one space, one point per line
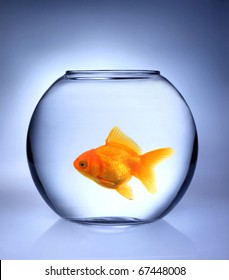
113 164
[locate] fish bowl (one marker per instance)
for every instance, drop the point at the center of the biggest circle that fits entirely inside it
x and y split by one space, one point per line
112 147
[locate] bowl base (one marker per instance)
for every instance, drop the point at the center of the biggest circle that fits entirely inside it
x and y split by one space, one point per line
109 221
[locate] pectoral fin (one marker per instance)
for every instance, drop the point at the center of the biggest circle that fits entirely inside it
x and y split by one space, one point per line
105 183
125 191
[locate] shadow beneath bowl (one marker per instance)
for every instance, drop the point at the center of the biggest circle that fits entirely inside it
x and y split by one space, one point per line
158 240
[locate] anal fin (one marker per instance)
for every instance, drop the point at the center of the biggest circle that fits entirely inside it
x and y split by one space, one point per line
125 191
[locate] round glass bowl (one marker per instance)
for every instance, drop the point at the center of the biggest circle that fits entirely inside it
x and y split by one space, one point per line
112 147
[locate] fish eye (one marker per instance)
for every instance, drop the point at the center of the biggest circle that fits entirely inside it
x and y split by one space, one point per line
83 164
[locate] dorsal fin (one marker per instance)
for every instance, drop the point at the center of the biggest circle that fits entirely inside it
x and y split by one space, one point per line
117 136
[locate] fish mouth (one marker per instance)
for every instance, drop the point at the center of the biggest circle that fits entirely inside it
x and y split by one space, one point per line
76 164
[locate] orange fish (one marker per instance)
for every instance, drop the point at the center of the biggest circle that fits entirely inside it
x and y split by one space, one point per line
113 164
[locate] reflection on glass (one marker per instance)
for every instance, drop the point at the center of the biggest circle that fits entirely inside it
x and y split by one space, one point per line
157 240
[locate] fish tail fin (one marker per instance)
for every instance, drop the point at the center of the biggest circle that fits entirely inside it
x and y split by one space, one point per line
145 168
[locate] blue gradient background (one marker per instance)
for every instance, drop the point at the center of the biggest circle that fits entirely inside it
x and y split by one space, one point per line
187 41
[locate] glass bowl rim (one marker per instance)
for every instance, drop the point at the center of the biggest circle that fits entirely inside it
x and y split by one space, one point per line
110 74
